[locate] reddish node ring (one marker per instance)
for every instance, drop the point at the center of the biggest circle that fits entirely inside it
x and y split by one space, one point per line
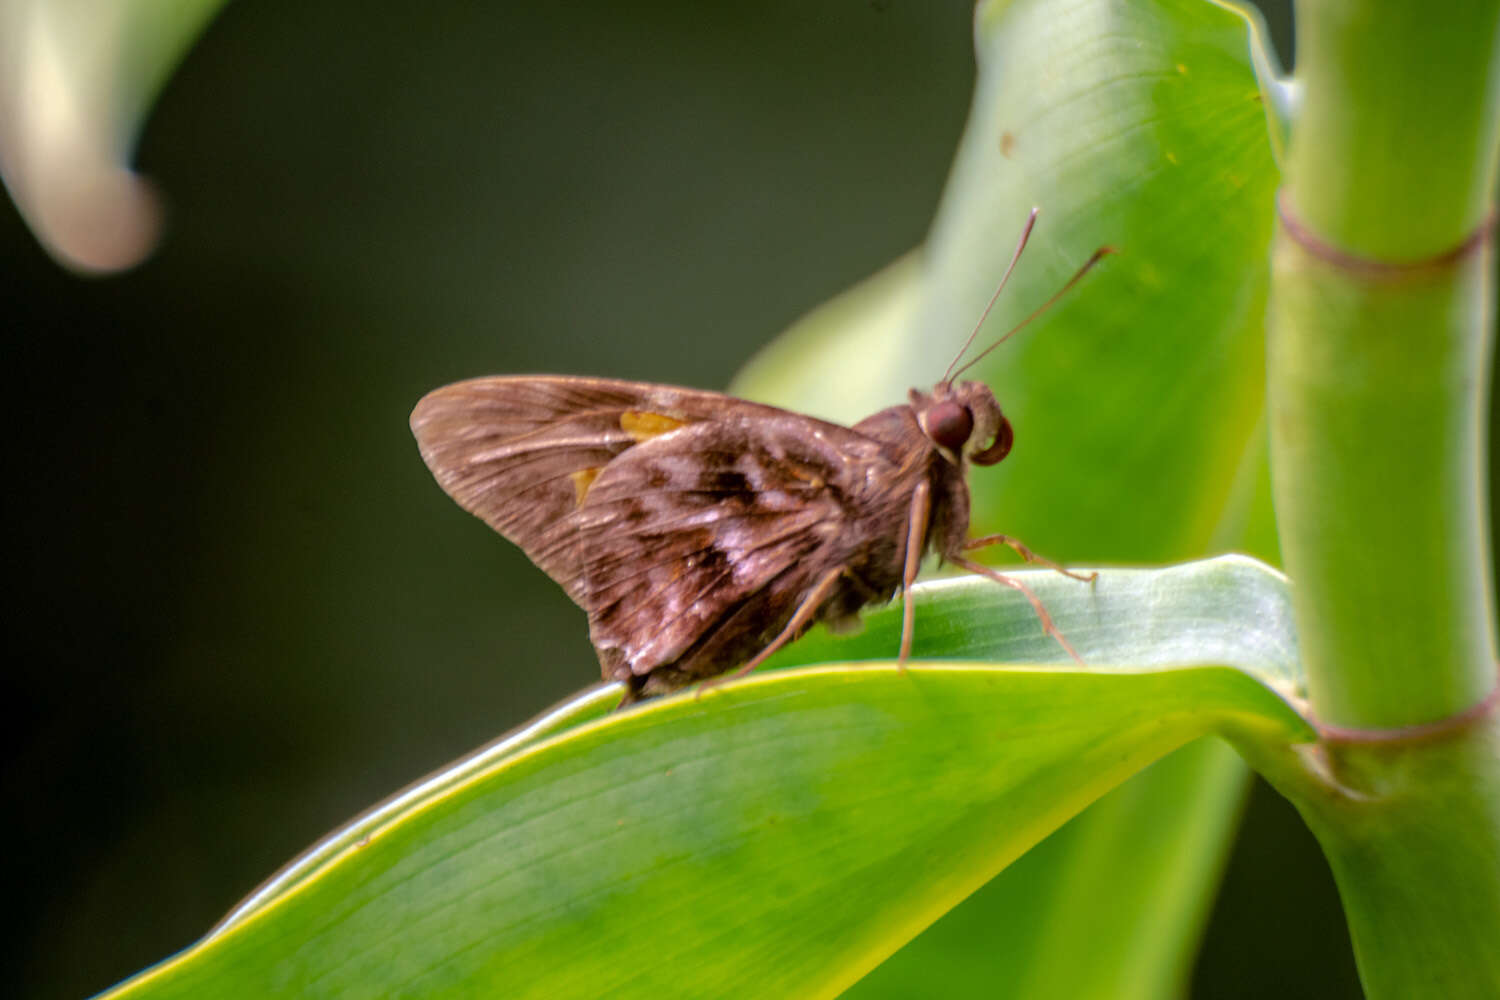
1417 733
1370 266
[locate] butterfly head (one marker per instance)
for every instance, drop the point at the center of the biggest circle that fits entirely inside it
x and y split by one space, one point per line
965 422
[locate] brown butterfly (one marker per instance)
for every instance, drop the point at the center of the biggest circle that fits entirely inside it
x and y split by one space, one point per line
702 532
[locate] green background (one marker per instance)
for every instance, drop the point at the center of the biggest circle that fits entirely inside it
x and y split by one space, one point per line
247 611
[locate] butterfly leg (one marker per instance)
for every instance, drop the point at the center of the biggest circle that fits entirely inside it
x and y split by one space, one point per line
916 542
1025 553
1013 583
800 619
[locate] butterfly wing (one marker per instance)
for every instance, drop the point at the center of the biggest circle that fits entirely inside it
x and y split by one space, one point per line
522 452
697 546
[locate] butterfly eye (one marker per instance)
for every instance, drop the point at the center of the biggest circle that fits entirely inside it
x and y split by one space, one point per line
950 424
1004 438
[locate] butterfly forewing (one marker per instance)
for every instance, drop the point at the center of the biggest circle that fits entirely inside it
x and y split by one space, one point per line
522 452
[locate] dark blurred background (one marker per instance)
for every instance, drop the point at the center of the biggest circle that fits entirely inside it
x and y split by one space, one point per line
244 611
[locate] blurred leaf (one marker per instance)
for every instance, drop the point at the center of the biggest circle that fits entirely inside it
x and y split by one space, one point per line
735 845
76 80
1137 405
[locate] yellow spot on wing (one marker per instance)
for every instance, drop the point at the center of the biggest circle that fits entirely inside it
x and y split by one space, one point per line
809 476
582 480
644 426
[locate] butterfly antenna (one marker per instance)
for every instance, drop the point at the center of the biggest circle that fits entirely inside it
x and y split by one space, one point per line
1021 245
1094 258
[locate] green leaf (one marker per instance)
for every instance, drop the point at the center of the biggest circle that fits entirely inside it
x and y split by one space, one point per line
1137 404
778 836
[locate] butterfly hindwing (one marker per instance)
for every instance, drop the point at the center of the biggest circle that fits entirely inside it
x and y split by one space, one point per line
696 546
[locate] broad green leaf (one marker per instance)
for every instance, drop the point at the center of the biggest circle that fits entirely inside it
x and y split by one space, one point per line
1137 405
736 844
